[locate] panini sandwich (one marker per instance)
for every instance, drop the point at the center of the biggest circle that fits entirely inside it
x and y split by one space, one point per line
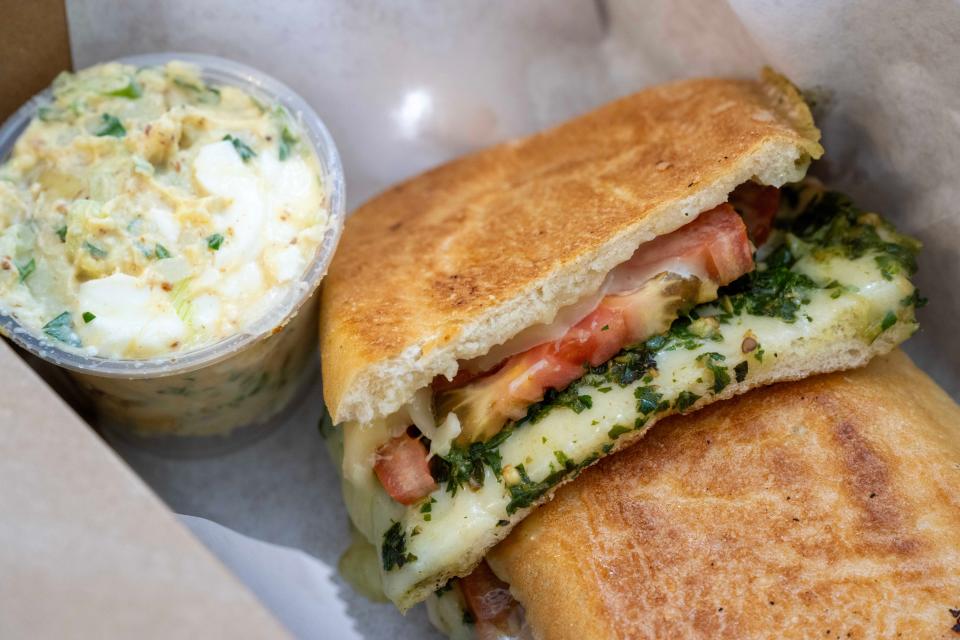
824 508
494 326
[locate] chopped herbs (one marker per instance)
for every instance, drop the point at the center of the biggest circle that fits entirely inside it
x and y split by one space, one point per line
215 241
88 317
465 465
62 233
570 398
161 252
740 371
829 226
61 328
685 400
617 431
132 90
648 399
205 94
914 300
287 142
94 250
26 268
526 492
888 321
110 126
721 377
244 151
775 292
393 551
623 369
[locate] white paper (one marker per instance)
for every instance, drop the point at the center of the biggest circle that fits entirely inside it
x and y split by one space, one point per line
404 86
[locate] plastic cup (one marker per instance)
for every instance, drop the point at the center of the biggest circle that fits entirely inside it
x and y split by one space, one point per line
227 393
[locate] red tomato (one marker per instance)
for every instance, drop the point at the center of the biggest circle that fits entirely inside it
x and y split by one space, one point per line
715 243
403 471
487 596
758 205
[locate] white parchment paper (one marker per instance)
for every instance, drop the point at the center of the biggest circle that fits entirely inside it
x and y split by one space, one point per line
404 86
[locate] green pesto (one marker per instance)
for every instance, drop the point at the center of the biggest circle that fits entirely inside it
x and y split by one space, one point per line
393 551
829 225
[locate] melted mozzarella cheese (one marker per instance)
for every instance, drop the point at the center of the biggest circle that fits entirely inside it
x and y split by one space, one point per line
460 524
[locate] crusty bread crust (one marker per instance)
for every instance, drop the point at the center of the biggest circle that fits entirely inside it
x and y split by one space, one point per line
823 508
444 266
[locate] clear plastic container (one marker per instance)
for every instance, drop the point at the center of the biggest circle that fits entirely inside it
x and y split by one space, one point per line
238 387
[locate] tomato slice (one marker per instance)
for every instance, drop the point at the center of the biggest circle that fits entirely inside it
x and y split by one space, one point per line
403 471
758 204
715 245
663 276
487 597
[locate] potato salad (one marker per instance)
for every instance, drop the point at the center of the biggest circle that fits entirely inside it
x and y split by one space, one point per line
145 212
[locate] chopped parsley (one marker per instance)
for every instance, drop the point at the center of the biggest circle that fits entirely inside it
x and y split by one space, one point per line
88 317
617 431
721 377
775 291
26 268
161 252
740 371
393 551
214 241
62 233
570 398
648 399
110 126
61 328
526 492
685 400
132 90
287 142
94 250
244 151
465 464
914 300
888 321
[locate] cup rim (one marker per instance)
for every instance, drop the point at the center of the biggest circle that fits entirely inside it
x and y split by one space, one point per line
258 83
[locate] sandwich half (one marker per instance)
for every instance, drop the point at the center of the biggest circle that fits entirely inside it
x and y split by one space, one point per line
494 326
824 508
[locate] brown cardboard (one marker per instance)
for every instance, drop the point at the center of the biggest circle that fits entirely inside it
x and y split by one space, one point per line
86 549
34 48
